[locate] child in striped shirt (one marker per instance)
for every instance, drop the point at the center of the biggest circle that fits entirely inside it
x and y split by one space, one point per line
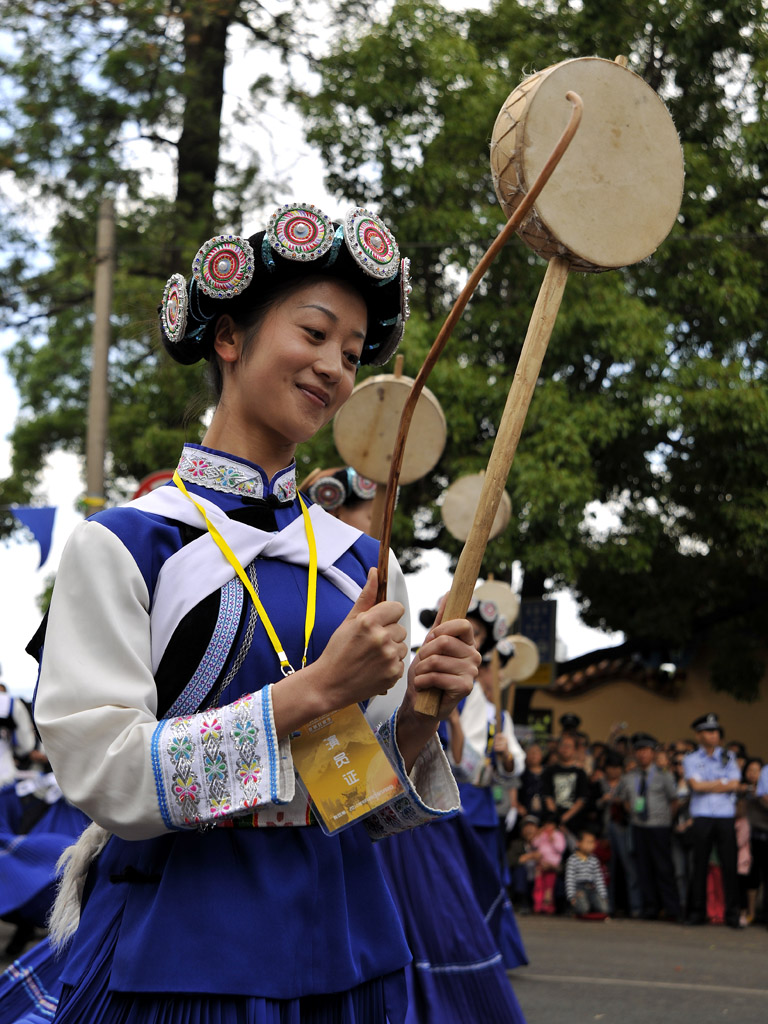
584 882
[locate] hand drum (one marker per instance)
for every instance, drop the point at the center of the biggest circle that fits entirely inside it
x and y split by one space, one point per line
365 428
615 195
460 503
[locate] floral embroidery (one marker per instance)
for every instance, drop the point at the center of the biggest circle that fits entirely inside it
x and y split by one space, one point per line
249 771
222 473
210 731
228 476
220 808
186 788
217 763
244 732
197 467
180 749
215 769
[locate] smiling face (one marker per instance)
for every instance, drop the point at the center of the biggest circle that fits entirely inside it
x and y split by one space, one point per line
284 382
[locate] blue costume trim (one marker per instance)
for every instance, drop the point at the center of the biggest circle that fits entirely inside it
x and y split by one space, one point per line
206 674
42 1001
474 965
495 905
269 725
158 777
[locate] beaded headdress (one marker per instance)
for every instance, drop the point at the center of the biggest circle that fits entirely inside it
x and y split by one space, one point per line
345 486
231 274
487 612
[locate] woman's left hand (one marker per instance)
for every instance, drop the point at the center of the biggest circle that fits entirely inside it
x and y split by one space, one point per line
500 744
447 661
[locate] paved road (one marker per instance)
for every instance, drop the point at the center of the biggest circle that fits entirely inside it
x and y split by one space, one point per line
633 972
640 972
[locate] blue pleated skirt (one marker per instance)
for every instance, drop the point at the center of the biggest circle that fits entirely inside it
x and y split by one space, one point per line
458 971
29 988
28 862
480 845
380 1001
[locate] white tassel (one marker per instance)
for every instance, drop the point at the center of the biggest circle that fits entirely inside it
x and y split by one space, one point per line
72 869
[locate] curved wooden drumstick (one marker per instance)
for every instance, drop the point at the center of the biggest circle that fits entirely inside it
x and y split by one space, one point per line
447 329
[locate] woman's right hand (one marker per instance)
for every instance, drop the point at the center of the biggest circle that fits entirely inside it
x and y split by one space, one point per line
364 657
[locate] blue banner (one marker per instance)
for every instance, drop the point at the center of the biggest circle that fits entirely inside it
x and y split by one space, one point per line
538 622
40 522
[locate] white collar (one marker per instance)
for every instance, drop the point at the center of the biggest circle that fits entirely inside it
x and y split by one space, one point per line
231 475
199 568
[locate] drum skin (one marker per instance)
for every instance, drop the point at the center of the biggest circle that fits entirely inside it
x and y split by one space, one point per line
616 193
524 663
365 429
460 503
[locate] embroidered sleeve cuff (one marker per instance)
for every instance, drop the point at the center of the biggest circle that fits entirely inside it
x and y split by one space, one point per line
430 789
504 776
221 763
470 764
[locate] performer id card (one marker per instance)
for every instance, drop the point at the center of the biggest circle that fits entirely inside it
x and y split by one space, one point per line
343 768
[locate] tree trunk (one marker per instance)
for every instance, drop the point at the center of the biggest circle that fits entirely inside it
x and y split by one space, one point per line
206 23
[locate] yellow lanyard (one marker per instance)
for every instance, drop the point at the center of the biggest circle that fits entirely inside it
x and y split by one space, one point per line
231 557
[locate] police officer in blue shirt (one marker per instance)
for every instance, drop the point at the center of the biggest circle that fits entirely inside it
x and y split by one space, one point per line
713 777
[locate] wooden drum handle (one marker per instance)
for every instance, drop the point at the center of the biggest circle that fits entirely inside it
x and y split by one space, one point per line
503 453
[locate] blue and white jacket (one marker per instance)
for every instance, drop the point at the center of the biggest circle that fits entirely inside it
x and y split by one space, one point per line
154 704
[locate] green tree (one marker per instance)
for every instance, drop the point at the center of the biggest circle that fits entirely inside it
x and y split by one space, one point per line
97 96
652 399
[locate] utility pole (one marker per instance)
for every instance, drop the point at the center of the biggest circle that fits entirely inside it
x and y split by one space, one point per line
98 398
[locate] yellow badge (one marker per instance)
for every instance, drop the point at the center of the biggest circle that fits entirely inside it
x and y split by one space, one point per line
343 768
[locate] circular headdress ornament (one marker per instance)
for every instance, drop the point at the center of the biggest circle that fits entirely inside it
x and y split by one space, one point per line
298 240
328 492
371 243
505 647
223 266
173 309
488 610
361 486
405 286
490 613
500 628
300 232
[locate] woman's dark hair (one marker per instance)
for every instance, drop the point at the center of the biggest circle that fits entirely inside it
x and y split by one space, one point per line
747 763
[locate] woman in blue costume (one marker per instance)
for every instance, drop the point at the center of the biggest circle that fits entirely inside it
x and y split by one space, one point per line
193 631
36 825
484 756
453 908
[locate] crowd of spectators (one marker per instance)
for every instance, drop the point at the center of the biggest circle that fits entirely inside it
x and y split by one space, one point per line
641 828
